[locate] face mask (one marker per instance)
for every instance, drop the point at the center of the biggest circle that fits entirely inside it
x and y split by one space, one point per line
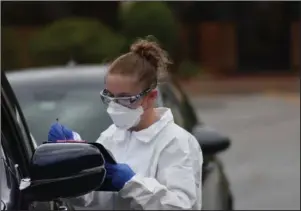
123 117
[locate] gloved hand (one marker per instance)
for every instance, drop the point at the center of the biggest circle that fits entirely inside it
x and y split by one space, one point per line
119 174
58 131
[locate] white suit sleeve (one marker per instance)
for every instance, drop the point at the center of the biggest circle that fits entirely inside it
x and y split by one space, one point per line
175 185
76 136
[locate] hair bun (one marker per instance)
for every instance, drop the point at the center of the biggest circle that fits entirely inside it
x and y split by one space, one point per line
148 50
152 52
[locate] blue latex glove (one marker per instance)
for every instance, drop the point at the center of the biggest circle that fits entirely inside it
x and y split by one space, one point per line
59 132
119 174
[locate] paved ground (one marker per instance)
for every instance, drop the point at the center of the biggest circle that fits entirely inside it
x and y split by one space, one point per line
263 163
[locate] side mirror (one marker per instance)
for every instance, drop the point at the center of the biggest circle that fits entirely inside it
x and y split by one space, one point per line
211 141
63 170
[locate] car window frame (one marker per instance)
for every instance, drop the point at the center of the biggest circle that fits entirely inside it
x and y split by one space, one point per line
21 140
12 99
13 136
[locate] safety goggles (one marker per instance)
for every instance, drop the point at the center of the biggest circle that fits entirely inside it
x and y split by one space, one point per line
128 101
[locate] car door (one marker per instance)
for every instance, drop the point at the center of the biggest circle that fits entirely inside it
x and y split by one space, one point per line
18 146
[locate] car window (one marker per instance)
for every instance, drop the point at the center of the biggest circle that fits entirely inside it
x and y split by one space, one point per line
170 102
177 93
187 111
23 131
177 115
80 109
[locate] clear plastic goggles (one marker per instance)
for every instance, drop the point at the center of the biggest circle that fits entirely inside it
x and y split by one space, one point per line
128 101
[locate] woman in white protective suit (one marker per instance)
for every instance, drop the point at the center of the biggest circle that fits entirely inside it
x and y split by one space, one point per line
159 163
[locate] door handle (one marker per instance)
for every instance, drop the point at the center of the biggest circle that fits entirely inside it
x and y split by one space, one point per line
63 208
61 205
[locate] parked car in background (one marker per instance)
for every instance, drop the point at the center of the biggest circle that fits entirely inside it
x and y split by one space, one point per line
72 94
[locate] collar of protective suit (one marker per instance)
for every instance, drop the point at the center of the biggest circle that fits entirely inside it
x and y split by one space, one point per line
146 135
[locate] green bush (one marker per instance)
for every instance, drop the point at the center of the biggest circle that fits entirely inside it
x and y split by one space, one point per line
140 19
188 69
84 40
10 49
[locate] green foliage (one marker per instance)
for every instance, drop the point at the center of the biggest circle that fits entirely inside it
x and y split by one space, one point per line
140 19
84 40
10 49
188 69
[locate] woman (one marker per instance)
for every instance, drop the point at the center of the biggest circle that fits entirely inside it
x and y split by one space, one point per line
159 163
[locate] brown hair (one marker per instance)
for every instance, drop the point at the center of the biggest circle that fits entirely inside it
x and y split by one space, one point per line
146 60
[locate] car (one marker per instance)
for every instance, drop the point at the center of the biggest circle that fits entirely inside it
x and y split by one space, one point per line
32 181
72 95
16 150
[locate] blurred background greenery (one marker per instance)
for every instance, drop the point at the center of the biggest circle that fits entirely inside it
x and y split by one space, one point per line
201 37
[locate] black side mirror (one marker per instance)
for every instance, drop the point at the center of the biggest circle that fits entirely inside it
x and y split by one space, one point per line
63 170
211 142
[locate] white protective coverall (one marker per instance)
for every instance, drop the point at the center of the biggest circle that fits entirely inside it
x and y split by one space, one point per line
167 161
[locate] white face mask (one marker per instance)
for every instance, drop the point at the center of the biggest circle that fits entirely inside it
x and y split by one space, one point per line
123 117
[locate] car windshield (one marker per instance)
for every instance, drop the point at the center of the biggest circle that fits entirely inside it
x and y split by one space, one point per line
80 109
